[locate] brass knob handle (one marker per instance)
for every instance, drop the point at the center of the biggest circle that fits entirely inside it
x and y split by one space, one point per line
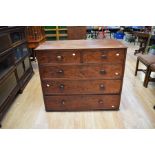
102 71
59 58
60 71
61 86
47 85
100 101
101 86
103 56
117 54
63 102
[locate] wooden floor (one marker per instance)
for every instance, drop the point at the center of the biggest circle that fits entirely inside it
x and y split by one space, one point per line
136 110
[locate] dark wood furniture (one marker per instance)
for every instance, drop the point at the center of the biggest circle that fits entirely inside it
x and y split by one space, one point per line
76 32
81 74
35 36
15 66
148 75
140 50
147 60
143 44
142 39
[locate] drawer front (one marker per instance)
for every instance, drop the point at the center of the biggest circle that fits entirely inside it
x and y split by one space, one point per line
82 102
70 56
103 56
103 71
81 87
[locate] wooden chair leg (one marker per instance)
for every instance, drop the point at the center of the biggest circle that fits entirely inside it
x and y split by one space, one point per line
137 64
147 77
136 51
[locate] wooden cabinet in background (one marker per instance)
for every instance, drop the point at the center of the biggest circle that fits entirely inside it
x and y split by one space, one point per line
76 32
81 74
14 71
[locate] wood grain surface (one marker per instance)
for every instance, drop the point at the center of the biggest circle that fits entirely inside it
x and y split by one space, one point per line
80 44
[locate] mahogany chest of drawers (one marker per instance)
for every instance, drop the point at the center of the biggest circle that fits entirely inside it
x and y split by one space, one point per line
81 74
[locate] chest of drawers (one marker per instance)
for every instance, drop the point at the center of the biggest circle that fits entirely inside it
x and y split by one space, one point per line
81 74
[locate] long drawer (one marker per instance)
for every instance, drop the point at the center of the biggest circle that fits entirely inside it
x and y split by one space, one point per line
81 102
78 56
81 86
104 71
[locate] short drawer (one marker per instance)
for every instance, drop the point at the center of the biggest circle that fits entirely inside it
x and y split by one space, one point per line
81 86
82 102
104 56
60 56
104 71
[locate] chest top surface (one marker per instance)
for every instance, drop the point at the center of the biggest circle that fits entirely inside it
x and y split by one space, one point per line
80 44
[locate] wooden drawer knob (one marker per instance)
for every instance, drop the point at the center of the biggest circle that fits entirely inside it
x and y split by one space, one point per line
102 71
117 54
101 86
61 86
60 71
116 73
103 56
47 85
59 57
63 102
100 101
